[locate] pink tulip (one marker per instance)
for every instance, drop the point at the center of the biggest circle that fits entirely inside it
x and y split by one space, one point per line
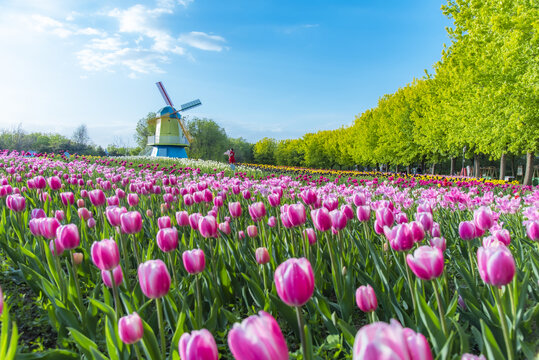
390 341
401 218
16 203
496 265
120 193
366 298
235 209
257 210
48 227
131 222
311 235
425 218
473 357
97 197
188 200
80 203
347 211
296 214
68 236
37 213
435 231
84 214
91 223
225 227
503 236
199 345
321 219
467 230
60 215
438 242
207 226
67 198
331 203
194 261
401 238
116 272
163 222
308 196
483 218
272 222
252 231
40 182
59 248
338 220
427 262
258 338
359 200
384 216
294 281
532 230
262 256
132 199
33 224
246 194
54 183
418 232
241 235
113 214
218 201
363 213
182 218
274 200
130 328
154 278
105 254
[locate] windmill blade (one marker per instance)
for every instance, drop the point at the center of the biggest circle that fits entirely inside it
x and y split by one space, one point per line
164 94
190 105
185 132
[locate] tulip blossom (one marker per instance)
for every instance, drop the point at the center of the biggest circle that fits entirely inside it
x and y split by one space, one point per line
198 345
257 210
194 261
59 215
48 227
130 328
258 338
131 222
97 197
425 218
16 203
296 214
338 220
118 276
467 230
321 219
207 226
56 247
274 200
54 183
132 199
401 237
384 216
225 227
347 211
483 218
427 262
294 281
310 234
252 231
194 219
390 341
262 256
363 213
154 278
366 298
37 214
308 196
496 265
272 222
163 222
113 214
438 242
105 254
235 209
84 214
532 230
182 218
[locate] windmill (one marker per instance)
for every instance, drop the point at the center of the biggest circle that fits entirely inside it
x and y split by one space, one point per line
168 140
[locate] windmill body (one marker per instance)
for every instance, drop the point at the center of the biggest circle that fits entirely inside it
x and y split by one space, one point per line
171 137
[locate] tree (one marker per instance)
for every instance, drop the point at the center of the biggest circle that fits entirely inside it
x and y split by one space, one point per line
242 148
264 151
143 130
209 140
80 136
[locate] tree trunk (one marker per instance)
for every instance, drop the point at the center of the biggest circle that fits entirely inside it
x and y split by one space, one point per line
477 171
502 166
432 168
407 169
513 166
529 169
452 168
422 166
397 168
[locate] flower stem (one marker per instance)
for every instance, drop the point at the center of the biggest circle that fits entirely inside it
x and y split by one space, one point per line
504 325
125 256
440 307
77 286
302 333
173 271
137 351
115 292
199 303
470 255
409 280
161 326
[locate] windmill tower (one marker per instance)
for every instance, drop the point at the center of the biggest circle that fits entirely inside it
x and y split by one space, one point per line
171 137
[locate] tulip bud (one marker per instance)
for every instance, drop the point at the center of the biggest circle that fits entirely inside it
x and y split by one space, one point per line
131 222
91 223
321 219
235 209
182 218
225 227
241 234
154 278
310 234
167 239
130 328
483 218
366 298
252 231
163 222
199 345
427 262
59 215
118 276
532 230
294 281
363 213
496 265
467 230
258 337
97 197
78 258
194 261
207 226
105 254
262 256
132 199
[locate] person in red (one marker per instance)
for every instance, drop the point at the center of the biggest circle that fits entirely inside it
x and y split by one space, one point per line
232 159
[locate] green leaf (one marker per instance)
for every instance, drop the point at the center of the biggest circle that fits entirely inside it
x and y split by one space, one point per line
491 345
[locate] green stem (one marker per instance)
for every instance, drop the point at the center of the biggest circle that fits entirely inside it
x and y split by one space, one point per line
440 307
470 255
506 337
409 280
137 351
173 271
161 326
334 270
264 276
371 316
199 303
77 286
115 292
306 356
125 257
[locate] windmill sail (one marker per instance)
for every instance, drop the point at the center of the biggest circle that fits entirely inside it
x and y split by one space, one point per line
164 94
190 105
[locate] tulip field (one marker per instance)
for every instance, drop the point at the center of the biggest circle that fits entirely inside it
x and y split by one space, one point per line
138 258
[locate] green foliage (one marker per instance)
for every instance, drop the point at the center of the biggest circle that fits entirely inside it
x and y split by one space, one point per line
264 151
210 140
143 130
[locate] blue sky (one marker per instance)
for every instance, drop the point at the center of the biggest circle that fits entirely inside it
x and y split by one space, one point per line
261 68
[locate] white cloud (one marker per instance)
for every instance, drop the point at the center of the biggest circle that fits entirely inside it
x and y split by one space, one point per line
203 41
